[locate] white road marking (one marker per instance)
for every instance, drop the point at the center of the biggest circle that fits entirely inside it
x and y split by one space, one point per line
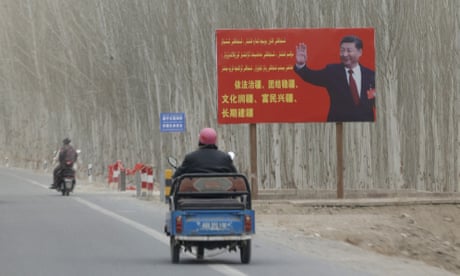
224 269
149 231
36 183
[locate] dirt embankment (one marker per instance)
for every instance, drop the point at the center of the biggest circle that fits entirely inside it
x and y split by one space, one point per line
424 232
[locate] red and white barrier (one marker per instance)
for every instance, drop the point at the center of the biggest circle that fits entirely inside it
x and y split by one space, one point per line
145 189
144 181
149 181
114 174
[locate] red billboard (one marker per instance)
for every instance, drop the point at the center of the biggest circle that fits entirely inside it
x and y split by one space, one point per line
295 75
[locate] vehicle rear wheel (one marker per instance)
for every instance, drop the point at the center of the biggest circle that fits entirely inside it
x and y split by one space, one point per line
245 251
175 250
63 192
67 193
200 253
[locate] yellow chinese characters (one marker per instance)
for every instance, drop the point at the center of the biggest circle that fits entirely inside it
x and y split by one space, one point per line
238 99
247 84
274 98
282 84
238 112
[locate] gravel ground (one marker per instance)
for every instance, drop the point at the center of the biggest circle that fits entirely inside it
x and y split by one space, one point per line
421 232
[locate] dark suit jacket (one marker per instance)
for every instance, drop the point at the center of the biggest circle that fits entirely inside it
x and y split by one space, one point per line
334 79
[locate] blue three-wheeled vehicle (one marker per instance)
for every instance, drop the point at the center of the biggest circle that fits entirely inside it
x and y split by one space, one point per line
210 211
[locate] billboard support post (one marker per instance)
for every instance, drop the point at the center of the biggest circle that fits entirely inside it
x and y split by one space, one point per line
339 141
253 143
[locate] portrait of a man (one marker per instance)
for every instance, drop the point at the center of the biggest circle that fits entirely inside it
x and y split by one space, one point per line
350 85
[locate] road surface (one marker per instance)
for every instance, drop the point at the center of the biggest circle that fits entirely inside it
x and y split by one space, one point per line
113 233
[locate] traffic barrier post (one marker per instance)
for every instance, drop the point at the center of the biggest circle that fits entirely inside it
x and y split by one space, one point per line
168 183
149 181
122 183
90 173
144 182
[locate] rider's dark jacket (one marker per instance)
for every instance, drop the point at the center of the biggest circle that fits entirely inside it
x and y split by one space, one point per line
67 153
206 159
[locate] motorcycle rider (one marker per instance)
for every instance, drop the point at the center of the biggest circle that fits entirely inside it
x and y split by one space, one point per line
207 158
67 153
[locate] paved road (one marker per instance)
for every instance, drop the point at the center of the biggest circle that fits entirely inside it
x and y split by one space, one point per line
111 233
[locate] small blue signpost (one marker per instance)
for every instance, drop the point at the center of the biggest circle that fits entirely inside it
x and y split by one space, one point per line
172 122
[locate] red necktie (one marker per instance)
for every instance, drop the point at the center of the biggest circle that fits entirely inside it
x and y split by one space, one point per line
353 88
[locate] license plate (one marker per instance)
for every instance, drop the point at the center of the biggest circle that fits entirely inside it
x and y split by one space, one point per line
214 226
68 183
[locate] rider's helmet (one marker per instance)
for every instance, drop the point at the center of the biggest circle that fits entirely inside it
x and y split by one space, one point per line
66 141
208 136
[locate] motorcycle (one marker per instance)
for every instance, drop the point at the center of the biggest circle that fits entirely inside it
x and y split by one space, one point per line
67 180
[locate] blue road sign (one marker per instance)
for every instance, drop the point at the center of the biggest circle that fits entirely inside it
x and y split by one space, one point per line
172 122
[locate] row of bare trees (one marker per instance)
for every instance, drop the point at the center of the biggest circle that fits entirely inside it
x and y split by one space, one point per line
100 72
